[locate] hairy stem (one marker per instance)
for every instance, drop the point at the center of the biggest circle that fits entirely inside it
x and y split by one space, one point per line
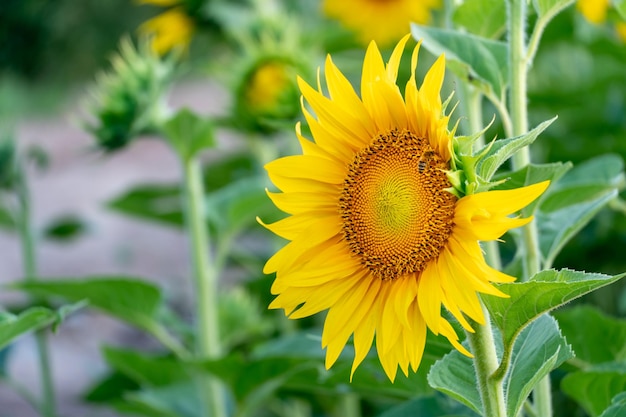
28 242
208 342
485 364
519 112
518 62
542 396
350 406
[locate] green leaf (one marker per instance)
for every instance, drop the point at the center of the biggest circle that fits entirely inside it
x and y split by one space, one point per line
161 203
539 349
558 227
178 400
593 389
617 407
137 407
110 388
12 327
454 375
551 7
188 133
35 318
501 150
486 18
128 299
586 328
574 200
545 291
437 405
7 220
146 370
481 61
602 171
65 228
369 379
234 207
620 6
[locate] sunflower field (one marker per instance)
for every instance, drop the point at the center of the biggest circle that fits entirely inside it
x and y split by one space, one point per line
312 208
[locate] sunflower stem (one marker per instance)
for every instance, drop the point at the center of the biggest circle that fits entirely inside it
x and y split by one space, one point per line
491 389
543 397
205 273
519 111
47 406
350 406
518 63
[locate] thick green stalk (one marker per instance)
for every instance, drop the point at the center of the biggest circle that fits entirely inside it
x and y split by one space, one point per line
208 341
518 61
27 237
542 396
350 406
519 112
485 364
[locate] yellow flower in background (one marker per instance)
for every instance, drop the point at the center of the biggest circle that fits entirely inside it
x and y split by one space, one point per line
267 95
594 10
171 29
375 236
620 28
384 21
266 85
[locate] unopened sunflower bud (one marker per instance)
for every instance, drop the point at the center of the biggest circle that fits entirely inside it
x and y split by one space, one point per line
173 28
129 99
267 95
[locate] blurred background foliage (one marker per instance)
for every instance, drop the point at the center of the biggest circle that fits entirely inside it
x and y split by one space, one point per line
49 51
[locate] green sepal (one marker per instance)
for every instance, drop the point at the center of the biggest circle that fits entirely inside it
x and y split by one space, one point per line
457 179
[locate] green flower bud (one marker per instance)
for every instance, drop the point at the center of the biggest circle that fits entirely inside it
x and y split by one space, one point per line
267 96
129 99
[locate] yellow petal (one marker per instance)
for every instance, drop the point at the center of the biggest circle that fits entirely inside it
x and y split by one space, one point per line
309 167
336 119
394 60
345 316
295 203
429 296
431 86
502 202
300 250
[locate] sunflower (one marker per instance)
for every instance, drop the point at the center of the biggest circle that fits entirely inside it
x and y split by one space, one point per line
593 10
377 238
596 12
172 28
384 21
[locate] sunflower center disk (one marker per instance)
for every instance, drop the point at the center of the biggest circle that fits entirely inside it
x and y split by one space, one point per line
396 213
